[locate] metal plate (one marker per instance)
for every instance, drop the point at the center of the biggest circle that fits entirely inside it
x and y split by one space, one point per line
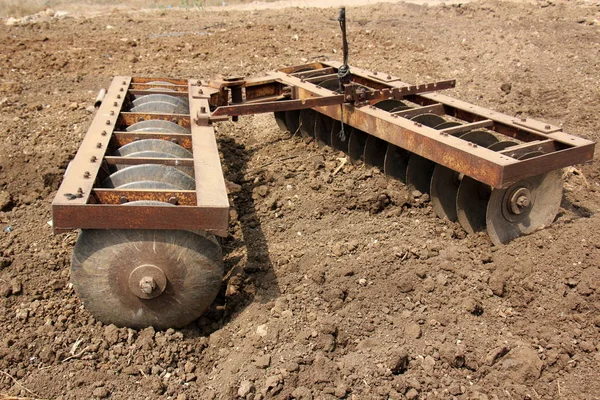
292 121
280 119
443 190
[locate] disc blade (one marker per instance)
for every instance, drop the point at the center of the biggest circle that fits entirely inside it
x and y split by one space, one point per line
446 124
471 204
280 120
187 269
153 145
292 121
390 104
396 161
499 146
323 126
356 144
155 125
418 173
480 138
308 118
443 189
147 98
160 107
430 120
339 138
507 221
137 174
375 150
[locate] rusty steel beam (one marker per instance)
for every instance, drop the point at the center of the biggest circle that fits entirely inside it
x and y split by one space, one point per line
82 170
285 105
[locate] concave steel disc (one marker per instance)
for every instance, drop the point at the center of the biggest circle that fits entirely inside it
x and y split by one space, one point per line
375 150
446 124
445 182
308 117
430 120
396 161
160 107
390 105
505 144
189 170
135 176
331 84
280 119
323 126
471 204
419 170
153 145
524 207
148 98
339 139
156 125
292 121
141 278
356 144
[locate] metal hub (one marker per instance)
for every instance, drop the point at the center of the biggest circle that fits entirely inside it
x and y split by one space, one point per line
147 281
520 201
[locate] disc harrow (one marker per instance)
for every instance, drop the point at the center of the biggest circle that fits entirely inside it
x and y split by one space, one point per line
147 191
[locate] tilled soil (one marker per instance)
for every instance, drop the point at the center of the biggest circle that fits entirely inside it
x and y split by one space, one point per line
340 285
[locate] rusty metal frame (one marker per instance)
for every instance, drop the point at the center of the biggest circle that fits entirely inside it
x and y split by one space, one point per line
81 203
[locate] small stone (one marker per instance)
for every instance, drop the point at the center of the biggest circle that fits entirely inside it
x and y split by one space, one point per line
272 383
340 391
5 262
111 334
362 282
5 289
302 393
407 284
16 286
22 314
181 396
262 190
262 330
263 362
131 370
399 362
101 392
412 394
189 367
506 87
454 389
6 201
413 331
246 387
473 306
497 284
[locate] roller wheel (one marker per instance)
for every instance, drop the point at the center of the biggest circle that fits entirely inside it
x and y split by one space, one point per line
141 278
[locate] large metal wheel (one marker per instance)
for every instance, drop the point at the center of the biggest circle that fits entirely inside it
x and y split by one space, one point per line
141 278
